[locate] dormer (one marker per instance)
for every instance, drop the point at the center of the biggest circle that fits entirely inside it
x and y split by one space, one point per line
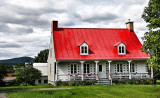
121 48
84 49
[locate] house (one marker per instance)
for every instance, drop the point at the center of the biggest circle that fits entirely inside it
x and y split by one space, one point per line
98 54
43 68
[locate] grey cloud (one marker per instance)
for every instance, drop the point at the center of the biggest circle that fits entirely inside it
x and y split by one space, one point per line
14 30
100 18
9 45
25 20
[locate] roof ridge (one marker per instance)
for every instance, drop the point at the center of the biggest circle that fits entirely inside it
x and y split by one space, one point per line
91 28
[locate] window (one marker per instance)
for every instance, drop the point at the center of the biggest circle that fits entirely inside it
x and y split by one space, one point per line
39 81
132 67
121 49
55 65
84 49
119 67
73 68
146 67
100 68
86 69
50 69
45 81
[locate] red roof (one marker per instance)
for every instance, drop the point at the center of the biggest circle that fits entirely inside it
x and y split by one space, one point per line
101 43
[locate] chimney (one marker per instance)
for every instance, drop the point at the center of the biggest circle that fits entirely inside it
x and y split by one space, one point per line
54 25
129 25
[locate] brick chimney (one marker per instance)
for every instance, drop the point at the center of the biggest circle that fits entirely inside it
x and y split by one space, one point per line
54 25
129 25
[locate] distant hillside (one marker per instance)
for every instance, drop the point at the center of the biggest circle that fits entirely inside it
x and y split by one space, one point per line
16 60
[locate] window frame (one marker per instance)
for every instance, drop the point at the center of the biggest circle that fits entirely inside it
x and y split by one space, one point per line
121 49
100 68
75 66
84 49
132 66
86 68
119 67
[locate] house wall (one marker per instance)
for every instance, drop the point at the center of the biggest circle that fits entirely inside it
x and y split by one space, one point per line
140 66
42 80
51 62
63 68
42 67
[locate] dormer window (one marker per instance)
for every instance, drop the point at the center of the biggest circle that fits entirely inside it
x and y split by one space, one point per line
84 49
121 49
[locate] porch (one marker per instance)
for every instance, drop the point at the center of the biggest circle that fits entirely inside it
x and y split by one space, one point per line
97 70
113 76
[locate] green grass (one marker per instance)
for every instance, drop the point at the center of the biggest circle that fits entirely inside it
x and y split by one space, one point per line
25 87
94 91
157 81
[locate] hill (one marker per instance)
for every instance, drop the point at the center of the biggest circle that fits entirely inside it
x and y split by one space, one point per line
16 60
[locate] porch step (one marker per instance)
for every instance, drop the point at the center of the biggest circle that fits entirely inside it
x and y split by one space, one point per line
104 81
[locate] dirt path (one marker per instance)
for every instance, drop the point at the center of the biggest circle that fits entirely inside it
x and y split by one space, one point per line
3 93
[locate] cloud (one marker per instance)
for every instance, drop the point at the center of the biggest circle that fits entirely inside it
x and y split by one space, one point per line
15 30
25 24
9 45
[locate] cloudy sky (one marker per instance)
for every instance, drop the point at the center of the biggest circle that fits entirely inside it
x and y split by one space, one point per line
25 24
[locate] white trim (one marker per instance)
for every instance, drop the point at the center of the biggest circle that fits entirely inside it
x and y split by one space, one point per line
96 69
73 68
84 45
124 50
82 62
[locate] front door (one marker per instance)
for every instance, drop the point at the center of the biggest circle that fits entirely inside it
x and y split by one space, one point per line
102 71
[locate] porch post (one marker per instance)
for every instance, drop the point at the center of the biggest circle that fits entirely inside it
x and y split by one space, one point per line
96 69
129 64
82 69
109 66
151 72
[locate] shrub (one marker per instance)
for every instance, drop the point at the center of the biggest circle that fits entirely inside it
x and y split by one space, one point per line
60 83
74 83
28 75
138 81
2 83
24 84
147 82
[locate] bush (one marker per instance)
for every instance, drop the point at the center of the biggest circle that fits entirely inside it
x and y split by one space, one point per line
28 75
74 83
24 84
138 81
2 83
147 82
60 83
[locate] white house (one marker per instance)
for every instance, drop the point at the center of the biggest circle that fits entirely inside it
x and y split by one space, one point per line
98 54
43 68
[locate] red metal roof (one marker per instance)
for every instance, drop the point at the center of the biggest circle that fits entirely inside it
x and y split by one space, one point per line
101 43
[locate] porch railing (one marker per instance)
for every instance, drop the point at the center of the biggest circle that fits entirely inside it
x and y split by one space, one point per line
131 75
76 77
110 77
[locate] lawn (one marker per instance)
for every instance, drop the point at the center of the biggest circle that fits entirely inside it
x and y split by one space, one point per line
25 87
94 91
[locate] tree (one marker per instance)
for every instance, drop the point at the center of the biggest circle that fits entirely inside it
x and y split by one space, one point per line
3 73
151 38
42 56
28 75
